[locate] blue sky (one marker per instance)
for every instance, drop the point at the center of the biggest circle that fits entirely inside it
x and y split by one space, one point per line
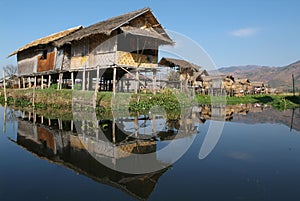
232 32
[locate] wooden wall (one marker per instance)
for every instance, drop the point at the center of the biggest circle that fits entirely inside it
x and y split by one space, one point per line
27 62
46 64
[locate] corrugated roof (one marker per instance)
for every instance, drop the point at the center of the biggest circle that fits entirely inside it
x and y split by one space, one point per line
47 39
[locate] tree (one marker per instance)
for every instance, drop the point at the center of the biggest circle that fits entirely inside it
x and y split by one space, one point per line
11 75
10 70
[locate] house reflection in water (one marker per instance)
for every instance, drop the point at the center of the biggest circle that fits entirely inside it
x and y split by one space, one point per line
58 142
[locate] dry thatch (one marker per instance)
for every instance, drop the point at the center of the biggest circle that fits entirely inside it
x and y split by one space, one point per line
47 39
147 33
182 64
109 25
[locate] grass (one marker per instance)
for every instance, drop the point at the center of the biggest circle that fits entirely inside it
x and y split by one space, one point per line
169 101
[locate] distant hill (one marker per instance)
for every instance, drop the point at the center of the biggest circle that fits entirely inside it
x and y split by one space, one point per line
276 77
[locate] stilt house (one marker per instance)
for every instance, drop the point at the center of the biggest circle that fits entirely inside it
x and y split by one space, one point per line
104 51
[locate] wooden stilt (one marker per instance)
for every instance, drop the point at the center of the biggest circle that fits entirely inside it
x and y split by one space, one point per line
4 120
72 125
35 81
136 81
96 88
42 119
4 85
19 83
83 80
29 82
114 130
42 82
24 85
114 80
154 81
88 81
49 81
72 78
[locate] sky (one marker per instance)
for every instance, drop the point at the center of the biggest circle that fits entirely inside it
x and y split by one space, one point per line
231 32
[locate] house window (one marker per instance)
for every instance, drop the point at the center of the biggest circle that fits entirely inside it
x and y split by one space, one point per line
44 55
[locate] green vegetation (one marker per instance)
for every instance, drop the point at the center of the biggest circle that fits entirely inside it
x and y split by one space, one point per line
167 99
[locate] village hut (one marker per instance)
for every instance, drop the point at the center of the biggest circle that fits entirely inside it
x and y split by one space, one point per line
190 74
241 87
257 88
109 48
217 85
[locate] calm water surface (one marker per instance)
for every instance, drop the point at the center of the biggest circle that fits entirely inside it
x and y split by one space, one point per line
257 157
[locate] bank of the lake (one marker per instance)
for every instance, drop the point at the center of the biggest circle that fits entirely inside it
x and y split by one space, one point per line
62 100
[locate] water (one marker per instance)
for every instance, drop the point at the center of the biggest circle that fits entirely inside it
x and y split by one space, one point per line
255 158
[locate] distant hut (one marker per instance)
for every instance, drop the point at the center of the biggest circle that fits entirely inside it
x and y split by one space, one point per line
190 74
241 87
257 88
114 46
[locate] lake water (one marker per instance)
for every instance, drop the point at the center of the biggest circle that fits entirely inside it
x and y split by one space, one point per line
256 156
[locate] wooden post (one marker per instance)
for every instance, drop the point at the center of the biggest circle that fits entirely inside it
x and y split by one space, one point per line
72 78
49 81
96 88
4 85
154 82
29 82
24 85
136 81
114 80
35 81
72 125
33 97
4 120
83 79
19 83
88 81
42 119
293 84
114 130
42 82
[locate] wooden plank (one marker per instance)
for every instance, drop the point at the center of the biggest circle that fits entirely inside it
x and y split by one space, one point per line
46 64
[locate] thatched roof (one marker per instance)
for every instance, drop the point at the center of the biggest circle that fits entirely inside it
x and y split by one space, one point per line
182 64
147 33
47 39
106 27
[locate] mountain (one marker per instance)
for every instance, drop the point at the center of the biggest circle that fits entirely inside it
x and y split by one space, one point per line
276 77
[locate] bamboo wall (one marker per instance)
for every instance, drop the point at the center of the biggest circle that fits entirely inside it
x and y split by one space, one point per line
135 60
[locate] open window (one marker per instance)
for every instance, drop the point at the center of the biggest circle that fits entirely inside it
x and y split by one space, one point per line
44 55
